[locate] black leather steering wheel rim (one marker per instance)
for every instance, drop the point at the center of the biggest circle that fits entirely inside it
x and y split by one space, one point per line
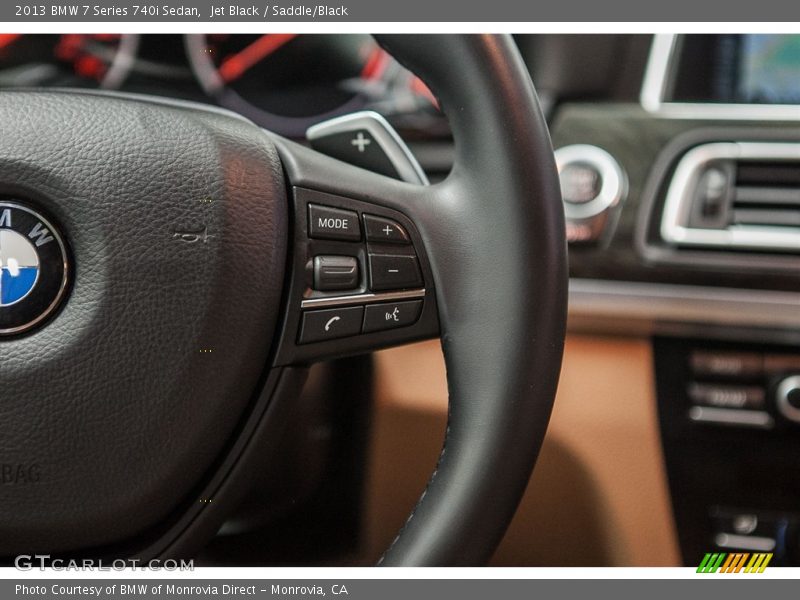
499 410
178 224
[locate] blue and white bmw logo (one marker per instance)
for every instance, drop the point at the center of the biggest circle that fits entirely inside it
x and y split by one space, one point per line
33 268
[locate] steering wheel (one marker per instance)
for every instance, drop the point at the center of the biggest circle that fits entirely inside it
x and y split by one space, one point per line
176 304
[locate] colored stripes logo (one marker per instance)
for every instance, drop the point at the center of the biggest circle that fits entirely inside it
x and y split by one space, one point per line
720 562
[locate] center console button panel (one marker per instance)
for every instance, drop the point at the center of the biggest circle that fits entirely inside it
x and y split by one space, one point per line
744 389
729 414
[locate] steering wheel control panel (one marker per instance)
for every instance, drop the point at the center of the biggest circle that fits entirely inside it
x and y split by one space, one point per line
729 415
359 278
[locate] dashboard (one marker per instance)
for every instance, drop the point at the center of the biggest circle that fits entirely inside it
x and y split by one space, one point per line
684 207
283 82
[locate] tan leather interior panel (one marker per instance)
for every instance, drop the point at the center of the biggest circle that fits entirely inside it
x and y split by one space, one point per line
599 494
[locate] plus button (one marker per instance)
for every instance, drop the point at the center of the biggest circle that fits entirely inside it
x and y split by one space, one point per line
361 142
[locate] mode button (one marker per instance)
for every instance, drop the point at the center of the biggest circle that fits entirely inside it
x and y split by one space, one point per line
329 223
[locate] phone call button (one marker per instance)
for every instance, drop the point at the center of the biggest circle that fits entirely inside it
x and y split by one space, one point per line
329 324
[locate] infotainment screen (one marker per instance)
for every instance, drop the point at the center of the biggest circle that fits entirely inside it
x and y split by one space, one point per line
735 68
769 69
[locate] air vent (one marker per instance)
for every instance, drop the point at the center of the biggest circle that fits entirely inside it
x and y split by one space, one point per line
738 195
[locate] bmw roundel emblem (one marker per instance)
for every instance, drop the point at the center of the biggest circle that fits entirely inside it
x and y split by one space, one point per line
33 268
